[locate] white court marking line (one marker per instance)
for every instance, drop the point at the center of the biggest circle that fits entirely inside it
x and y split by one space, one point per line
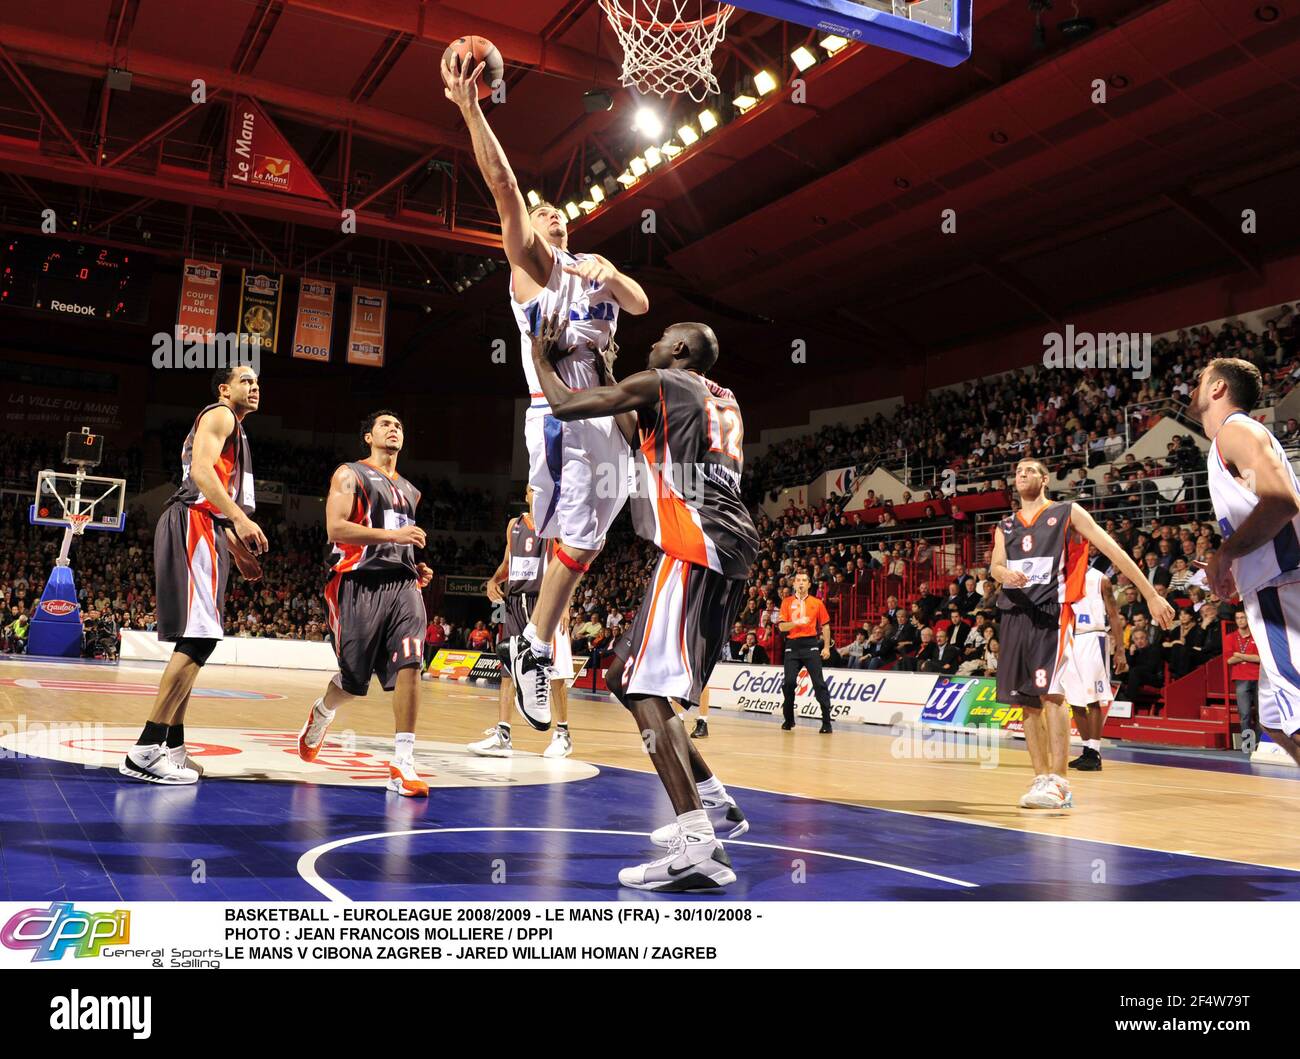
307 862
955 819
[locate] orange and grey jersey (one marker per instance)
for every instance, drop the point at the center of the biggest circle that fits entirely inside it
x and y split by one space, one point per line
1053 559
686 498
528 555
382 501
234 469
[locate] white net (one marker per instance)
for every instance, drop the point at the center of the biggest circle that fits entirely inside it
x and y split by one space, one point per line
668 45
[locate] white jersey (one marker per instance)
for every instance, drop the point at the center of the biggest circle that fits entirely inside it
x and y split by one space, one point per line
1275 562
1090 611
592 315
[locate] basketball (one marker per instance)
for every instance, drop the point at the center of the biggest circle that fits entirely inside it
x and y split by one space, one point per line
483 51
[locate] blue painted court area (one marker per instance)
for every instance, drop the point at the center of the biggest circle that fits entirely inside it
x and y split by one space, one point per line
70 833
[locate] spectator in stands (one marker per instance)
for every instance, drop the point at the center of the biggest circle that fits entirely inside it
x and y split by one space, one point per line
1181 644
881 649
1156 573
991 658
1211 641
1146 667
750 652
856 650
946 658
925 652
1243 673
16 633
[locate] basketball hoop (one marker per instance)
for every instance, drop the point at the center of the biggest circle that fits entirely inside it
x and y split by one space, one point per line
77 523
665 49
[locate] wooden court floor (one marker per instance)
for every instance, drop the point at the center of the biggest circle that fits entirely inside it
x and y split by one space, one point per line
1181 805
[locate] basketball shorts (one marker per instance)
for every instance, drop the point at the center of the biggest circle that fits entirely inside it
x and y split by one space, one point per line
377 620
1274 618
518 613
680 631
191 561
1085 672
1031 646
580 474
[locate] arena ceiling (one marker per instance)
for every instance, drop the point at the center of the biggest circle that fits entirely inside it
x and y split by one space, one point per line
824 214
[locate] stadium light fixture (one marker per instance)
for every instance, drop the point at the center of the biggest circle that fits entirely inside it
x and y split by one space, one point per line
571 208
648 123
653 157
743 102
638 166
670 150
596 194
833 44
688 135
626 178
708 121
587 205
765 82
534 199
803 58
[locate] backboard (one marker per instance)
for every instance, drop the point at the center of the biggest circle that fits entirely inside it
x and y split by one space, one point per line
60 494
938 31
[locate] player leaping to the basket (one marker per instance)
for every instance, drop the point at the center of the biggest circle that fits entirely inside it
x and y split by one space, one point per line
578 470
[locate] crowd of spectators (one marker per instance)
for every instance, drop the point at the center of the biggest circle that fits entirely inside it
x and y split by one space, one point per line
1068 418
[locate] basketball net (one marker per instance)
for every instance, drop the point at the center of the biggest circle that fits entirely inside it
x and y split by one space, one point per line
77 523
668 45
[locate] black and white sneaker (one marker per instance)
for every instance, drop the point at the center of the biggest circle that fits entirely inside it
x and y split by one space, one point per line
724 815
153 764
692 863
1088 761
532 677
701 729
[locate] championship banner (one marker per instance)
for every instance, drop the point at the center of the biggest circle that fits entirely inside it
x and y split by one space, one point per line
865 696
196 316
258 155
259 308
315 322
366 331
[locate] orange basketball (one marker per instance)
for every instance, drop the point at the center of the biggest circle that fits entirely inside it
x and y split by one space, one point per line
484 51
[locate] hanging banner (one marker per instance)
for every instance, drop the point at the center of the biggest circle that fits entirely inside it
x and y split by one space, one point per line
259 308
315 322
258 155
366 332
196 316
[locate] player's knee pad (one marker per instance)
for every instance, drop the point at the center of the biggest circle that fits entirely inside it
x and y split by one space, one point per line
195 649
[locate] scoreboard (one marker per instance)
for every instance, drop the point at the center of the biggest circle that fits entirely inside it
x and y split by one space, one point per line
75 279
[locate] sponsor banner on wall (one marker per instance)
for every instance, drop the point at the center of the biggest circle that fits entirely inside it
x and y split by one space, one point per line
972 702
366 330
315 320
865 696
455 665
196 316
269 492
461 585
258 155
49 395
259 308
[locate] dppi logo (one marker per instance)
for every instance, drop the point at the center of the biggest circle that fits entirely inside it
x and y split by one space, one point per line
55 930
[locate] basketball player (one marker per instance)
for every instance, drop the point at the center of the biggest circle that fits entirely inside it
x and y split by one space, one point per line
1257 501
578 470
693 513
376 611
205 524
1040 566
514 585
803 618
1085 673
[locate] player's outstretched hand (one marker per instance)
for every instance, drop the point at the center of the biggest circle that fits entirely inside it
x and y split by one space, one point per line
547 341
425 574
250 535
460 79
593 267
411 534
1162 611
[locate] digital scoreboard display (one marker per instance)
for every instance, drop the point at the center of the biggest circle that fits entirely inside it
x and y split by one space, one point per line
75 279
